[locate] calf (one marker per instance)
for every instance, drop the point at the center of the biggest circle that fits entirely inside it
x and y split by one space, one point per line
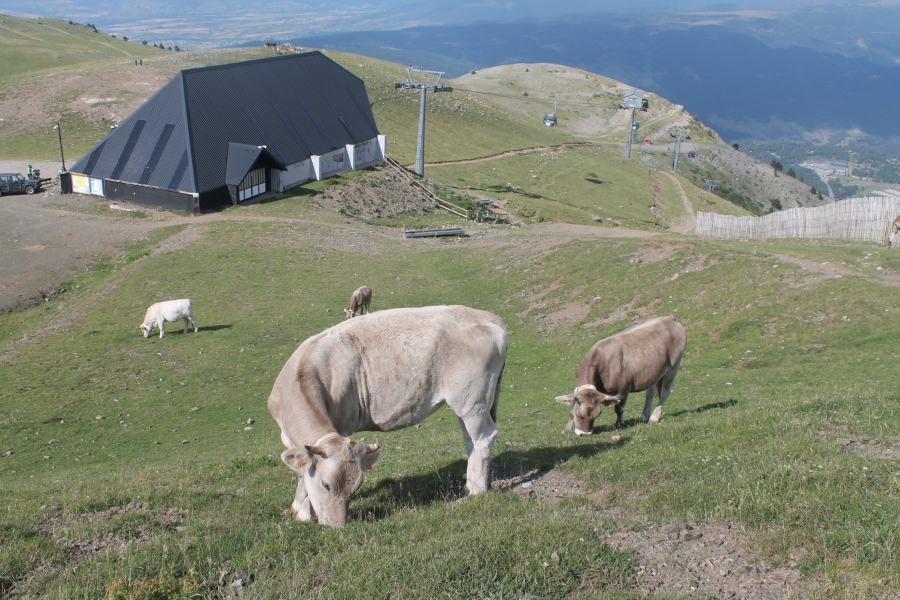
361 299
895 229
385 372
171 310
644 357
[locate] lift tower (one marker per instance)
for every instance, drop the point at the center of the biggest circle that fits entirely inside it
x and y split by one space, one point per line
680 135
633 101
412 84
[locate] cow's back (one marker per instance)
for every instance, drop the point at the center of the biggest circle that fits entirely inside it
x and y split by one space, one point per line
635 358
389 369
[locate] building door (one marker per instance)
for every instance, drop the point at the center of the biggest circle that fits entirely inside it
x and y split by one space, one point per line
253 184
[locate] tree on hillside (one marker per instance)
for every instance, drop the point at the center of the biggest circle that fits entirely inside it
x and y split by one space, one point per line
736 146
791 173
776 166
144 42
177 49
124 38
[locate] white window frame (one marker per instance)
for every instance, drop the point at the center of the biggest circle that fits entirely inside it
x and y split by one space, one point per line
254 184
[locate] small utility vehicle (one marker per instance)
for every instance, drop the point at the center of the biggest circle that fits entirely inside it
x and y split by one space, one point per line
16 183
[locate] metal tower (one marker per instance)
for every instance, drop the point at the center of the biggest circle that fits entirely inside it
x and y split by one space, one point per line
633 100
436 87
680 135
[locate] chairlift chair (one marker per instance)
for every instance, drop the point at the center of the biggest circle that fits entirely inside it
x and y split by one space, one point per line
550 118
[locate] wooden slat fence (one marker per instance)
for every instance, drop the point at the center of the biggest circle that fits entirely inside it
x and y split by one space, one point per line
860 219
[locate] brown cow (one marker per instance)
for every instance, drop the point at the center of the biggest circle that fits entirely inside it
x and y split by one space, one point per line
385 372
361 299
644 357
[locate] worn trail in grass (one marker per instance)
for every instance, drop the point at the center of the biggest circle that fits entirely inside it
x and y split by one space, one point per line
781 365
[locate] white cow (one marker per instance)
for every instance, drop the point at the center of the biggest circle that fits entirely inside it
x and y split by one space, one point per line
385 372
171 310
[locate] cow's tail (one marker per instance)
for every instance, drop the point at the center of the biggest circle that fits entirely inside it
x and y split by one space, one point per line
497 394
659 385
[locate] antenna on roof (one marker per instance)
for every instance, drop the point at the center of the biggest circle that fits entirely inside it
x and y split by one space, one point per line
412 84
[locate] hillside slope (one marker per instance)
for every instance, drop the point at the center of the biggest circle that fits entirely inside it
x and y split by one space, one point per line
489 113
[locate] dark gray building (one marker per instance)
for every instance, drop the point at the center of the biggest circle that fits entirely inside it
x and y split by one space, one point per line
216 136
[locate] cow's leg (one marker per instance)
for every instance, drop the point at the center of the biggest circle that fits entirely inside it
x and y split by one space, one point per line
648 403
479 432
187 322
301 509
665 388
162 331
194 323
620 410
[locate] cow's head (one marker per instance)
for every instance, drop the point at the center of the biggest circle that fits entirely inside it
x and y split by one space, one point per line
350 314
587 404
146 329
332 471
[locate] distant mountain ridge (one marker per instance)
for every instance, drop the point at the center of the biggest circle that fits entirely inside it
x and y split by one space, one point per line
739 85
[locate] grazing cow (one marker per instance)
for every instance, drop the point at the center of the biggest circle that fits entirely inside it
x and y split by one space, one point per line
644 357
895 229
171 310
361 299
385 372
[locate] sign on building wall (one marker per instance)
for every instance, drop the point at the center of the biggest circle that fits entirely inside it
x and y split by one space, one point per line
81 184
96 187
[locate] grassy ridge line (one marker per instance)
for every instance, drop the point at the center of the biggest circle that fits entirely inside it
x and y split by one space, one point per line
259 288
35 45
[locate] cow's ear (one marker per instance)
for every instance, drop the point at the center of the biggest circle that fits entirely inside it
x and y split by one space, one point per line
298 459
368 454
609 400
567 399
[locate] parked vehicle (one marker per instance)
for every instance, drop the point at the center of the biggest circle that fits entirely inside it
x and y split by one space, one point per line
16 183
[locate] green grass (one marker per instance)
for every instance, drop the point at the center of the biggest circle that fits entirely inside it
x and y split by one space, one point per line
568 184
30 45
777 360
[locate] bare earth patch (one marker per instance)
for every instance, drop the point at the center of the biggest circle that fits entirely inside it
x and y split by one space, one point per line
376 195
653 253
860 443
708 559
104 542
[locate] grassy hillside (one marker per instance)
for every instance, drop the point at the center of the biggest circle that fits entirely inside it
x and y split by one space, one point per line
782 364
52 71
29 45
488 114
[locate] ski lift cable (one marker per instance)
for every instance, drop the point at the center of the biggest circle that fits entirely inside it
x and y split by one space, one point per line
529 98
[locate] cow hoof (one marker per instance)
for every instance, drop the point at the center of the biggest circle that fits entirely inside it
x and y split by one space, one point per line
657 415
580 432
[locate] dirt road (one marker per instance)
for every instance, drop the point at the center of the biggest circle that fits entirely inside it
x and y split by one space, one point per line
42 246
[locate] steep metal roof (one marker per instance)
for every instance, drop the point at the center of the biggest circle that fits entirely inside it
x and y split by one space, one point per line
296 106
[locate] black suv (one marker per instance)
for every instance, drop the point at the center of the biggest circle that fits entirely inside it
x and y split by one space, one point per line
16 183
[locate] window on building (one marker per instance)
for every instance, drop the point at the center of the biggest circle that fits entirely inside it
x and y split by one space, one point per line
253 184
